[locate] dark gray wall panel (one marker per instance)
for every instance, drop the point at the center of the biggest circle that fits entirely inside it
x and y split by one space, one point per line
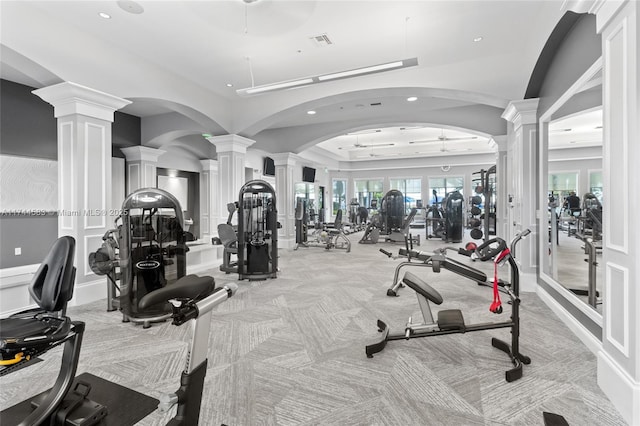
580 48
27 126
33 234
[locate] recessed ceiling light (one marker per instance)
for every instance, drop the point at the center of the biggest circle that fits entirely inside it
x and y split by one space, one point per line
477 39
130 6
311 112
412 98
104 15
229 85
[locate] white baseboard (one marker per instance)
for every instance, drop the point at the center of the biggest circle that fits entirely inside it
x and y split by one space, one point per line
620 388
89 292
286 243
196 269
590 341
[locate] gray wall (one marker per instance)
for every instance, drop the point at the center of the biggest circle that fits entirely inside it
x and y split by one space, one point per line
579 49
34 235
28 127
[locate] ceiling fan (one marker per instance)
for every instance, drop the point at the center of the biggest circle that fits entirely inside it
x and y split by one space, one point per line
442 138
372 155
372 145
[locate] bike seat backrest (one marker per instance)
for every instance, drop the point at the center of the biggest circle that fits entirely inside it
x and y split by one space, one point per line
420 287
52 285
188 287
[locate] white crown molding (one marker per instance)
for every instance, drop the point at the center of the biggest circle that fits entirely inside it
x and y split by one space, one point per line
142 153
70 98
231 143
286 159
521 112
501 142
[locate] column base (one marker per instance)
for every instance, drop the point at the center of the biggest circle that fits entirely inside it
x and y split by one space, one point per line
621 389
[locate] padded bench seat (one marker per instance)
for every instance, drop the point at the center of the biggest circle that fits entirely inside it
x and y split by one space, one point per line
420 287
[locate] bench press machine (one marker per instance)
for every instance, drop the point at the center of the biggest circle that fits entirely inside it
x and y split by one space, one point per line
451 321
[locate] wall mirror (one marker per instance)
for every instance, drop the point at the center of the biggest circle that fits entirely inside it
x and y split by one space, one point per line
571 195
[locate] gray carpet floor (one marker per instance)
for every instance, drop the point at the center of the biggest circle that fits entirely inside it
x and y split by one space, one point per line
290 351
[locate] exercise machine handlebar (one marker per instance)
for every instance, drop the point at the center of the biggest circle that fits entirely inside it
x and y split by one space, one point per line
387 253
485 252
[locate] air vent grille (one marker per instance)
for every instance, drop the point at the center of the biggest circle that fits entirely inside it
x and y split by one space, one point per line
321 40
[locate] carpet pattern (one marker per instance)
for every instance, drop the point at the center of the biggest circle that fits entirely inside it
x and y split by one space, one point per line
290 351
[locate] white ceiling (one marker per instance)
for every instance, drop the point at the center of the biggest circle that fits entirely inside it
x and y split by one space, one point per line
179 56
578 130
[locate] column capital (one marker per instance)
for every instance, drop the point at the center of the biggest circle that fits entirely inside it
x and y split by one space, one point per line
603 9
500 141
209 165
70 98
235 143
285 159
142 153
521 112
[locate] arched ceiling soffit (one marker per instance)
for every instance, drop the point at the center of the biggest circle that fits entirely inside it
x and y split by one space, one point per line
348 104
161 115
192 146
169 138
477 119
20 69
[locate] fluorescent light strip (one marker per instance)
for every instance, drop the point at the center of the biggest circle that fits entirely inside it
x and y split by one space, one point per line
359 71
277 86
327 77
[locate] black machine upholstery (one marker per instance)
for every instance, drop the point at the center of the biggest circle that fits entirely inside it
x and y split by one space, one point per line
27 335
419 286
187 287
52 285
51 288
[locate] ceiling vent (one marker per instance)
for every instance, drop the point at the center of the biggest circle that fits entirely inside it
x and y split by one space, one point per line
321 40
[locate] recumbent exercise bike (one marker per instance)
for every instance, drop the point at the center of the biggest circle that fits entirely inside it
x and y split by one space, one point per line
29 334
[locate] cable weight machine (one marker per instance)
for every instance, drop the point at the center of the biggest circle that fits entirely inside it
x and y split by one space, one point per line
257 231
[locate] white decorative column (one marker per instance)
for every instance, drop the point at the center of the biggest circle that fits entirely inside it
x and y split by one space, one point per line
84 173
209 218
285 179
503 169
522 161
619 359
231 151
141 167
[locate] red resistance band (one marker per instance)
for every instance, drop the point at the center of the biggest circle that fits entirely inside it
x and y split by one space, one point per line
496 306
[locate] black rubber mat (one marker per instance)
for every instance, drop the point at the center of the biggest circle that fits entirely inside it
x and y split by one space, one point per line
126 407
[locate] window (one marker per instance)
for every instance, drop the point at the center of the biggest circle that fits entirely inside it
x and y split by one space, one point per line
339 194
367 190
443 186
562 184
595 184
410 188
